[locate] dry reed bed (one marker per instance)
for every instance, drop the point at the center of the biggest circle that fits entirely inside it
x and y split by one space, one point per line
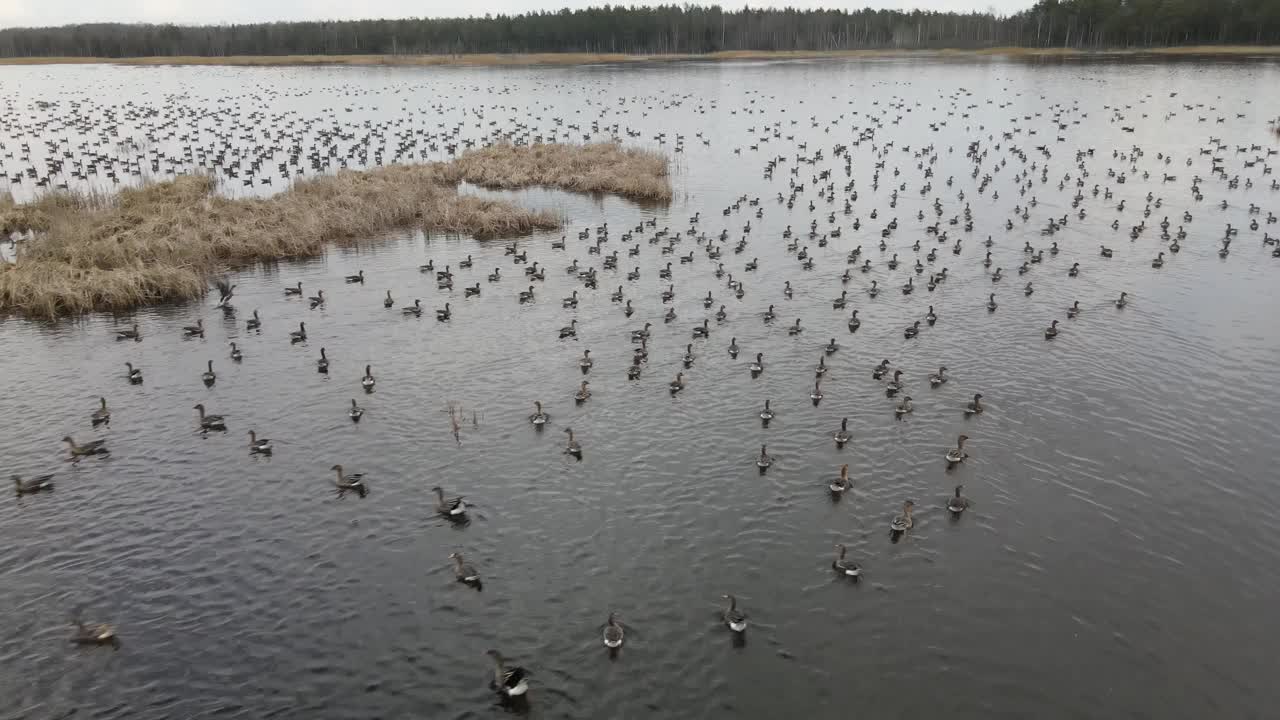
164 241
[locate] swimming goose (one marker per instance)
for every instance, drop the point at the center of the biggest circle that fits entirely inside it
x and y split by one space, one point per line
130 334
840 302
997 275
570 330
958 503
259 445
322 364
539 418
357 278
509 681
831 347
356 412
94 634
894 385
721 314
102 414
764 460
854 322
733 348
135 375
571 301
670 315
571 446
296 290
1105 252
253 323
453 508
769 315
473 291
688 355
209 376
1028 290
816 393
496 275
196 330
678 384
641 334
344 482
767 413
236 355
586 362
734 618
911 330
1158 262
703 330
880 370
873 290
841 436
463 571
975 406
931 317
526 295
444 313
415 309
32 485
938 378
821 368
991 302
299 335
795 329
1121 302
316 300
957 453
583 393
842 566
613 633
367 382
904 408
757 367
1074 310
388 301
93 447
842 483
786 289
210 422
903 522
1051 331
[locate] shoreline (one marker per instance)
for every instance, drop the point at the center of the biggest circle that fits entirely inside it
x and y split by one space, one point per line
565 59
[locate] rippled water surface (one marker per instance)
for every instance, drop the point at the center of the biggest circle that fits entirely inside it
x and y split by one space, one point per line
1117 558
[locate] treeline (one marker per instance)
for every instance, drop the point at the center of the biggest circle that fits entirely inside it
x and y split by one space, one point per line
1084 24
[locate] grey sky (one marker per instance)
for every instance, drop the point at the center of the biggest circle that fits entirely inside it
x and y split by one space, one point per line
62 12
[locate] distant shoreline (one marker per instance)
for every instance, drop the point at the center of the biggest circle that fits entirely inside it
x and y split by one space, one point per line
560 59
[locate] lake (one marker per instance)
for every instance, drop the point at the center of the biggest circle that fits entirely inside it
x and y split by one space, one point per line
1114 562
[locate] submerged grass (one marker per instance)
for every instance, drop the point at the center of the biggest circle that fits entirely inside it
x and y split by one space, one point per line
164 241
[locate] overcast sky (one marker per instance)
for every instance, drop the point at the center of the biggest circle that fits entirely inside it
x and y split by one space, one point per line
61 12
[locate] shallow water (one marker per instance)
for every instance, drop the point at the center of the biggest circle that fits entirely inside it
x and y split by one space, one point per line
1114 562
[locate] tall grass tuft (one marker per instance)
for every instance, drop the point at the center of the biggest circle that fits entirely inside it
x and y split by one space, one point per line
160 242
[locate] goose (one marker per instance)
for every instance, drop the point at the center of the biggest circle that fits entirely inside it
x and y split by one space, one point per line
443 314
840 302
210 422
571 301
367 382
613 633
1052 331
93 447
786 289
633 372
299 335
1105 252
975 406
931 317
873 290
894 385
209 376
316 300
842 483
1074 310
991 302
628 310
1028 290
258 445
842 566
987 261
570 330
296 290
415 309
102 414
703 330
733 617
473 291
453 508
1122 301
32 485
236 355
496 275
757 367
721 315
586 362
767 413
880 370
670 315
841 436
909 287
344 482
795 329
816 393
938 378
463 571
997 275
958 503
583 393
135 374
957 453
253 323
677 384
129 334
323 363
854 322
769 315
538 417
1158 262
912 330
733 348
688 355
642 333
904 408
571 446
388 302
831 347
196 330
94 634
1074 271
509 681
764 460
357 278
526 295
465 264
903 522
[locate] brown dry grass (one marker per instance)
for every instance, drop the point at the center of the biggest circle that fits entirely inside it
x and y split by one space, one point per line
595 58
164 241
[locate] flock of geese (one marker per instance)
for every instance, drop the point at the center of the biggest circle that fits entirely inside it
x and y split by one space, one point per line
816 183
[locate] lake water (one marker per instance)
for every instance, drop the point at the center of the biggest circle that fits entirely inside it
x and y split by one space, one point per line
1116 560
